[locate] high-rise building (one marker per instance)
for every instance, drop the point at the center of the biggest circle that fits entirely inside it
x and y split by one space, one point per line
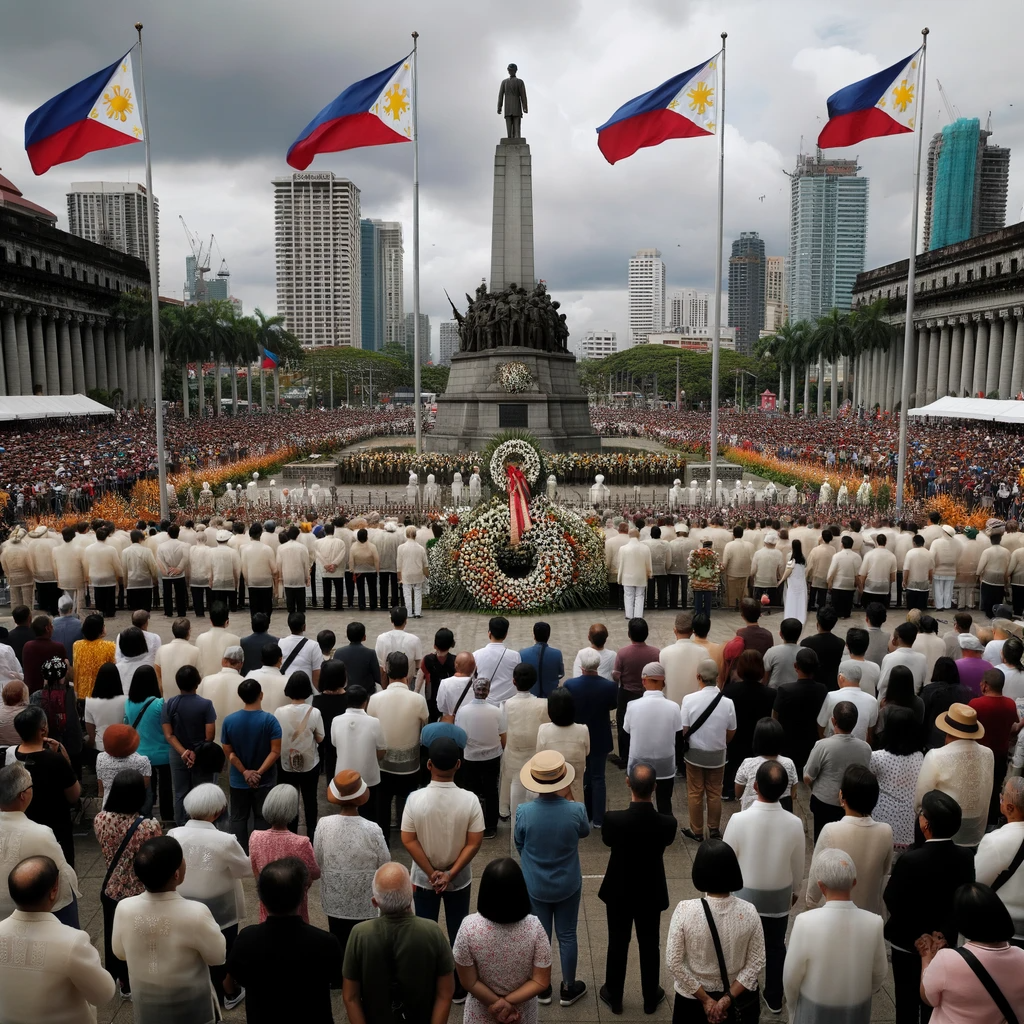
318 249
688 310
113 213
967 184
775 293
393 270
828 219
598 344
747 270
646 295
449 342
371 274
409 339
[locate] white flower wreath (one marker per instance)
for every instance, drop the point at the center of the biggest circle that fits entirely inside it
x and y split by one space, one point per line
517 451
515 377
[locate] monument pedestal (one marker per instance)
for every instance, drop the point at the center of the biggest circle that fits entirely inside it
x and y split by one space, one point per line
512 222
476 404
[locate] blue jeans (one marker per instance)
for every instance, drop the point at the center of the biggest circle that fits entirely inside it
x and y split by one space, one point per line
183 781
565 914
427 904
594 793
69 914
702 602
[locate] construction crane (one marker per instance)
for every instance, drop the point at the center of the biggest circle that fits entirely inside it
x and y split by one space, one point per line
951 111
202 261
223 272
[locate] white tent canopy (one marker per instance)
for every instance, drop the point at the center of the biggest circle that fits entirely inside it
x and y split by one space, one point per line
988 409
39 407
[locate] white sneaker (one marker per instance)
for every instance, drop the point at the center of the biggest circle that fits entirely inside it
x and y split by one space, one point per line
230 1002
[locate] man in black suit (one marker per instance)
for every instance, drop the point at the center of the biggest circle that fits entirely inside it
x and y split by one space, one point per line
253 644
829 648
634 890
919 897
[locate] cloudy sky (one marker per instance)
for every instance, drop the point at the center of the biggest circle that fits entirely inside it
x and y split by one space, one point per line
232 83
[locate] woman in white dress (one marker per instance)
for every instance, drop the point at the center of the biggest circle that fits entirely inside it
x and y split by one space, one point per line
795 605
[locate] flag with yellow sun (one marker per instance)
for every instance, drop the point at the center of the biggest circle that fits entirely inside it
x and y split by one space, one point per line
374 111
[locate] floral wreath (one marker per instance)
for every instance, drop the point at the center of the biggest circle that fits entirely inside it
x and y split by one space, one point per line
515 377
515 451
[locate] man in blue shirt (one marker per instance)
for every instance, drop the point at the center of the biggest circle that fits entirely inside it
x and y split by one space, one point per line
188 721
252 745
595 696
67 628
546 660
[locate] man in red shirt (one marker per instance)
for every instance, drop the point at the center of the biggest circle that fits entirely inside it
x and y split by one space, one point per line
998 714
628 673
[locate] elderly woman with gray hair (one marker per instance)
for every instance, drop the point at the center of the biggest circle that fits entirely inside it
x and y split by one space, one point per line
280 808
836 960
215 866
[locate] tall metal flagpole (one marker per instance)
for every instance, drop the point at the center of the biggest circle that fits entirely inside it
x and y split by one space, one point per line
908 332
154 288
416 254
717 326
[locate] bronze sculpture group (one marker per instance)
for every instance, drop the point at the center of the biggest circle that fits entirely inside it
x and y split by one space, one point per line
512 317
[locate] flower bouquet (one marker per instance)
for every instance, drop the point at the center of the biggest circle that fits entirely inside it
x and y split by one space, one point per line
704 569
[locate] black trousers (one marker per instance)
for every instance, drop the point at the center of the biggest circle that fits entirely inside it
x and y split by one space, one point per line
104 598
341 929
614 595
677 586
312 584
366 581
823 814
899 588
622 918
772 592
906 984
390 592
774 929
663 795
261 599
842 602
175 596
868 598
393 788
295 599
481 778
625 696
690 1011
350 588
991 595
1017 593
47 595
117 969
241 591
226 597
199 601
998 775
371 808
338 584
657 592
815 599
306 783
918 599
140 597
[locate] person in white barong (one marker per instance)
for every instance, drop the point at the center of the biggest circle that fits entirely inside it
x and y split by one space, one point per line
169 942
456 488
836 960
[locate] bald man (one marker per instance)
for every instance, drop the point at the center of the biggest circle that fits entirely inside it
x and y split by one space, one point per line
452 689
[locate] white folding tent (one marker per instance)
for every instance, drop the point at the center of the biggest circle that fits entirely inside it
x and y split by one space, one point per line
987 409
39 407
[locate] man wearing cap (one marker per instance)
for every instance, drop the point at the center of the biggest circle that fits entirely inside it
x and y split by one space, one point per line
766 569
652 723
963 768
486 730
992 567
678 566
547 834
43 573
442 828
971 664
225 566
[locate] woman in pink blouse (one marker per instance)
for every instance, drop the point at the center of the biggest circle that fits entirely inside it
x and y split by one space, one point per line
118 818
279 809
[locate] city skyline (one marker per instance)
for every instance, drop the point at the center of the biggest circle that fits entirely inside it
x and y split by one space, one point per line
662 197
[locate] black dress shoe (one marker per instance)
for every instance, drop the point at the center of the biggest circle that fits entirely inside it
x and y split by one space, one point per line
652 1007
615 1005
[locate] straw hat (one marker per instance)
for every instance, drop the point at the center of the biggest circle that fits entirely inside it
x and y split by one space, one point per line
120 740
547 772
345 787
961 721
39 531
948 530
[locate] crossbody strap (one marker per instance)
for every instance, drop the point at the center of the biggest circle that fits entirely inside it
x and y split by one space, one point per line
458 703
295 653
1010 870
718 944
705 714
116 859
145 708
990 986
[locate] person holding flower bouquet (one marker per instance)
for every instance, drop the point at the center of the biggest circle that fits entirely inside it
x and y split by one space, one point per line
705 570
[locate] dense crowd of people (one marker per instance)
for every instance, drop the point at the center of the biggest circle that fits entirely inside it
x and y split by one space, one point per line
209 756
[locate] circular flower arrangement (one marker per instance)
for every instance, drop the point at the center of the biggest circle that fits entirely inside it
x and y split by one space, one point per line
523 454
515 377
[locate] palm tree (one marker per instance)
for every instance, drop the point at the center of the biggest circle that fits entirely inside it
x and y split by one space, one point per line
246 351
872 332
270 335
787 345
217 322
833 337
184 344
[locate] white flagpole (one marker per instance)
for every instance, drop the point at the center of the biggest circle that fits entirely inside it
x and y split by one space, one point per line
717 326
154 288
908 331
416 255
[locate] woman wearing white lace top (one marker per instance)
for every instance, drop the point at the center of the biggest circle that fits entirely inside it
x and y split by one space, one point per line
349 849
691 955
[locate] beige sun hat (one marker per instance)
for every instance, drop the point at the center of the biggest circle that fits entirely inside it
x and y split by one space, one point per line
547 772
961 721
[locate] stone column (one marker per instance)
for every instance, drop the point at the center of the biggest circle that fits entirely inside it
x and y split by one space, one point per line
111 344
956 356
942 381
1017 370
67 386
921 380
38 349
52 361
151 394
980 354
873 379
132 376
100 344
24 354
932 379
77 356
122 360
1006 356
89 351
967 364
995 349
10 338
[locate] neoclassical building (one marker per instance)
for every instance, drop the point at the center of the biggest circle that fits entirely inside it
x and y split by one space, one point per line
968 323
58 331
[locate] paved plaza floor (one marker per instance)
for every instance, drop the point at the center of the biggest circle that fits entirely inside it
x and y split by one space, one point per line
569 632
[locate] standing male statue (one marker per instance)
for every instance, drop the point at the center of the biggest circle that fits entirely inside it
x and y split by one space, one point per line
513 94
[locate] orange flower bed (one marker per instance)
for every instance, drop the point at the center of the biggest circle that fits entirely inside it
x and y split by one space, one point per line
954 512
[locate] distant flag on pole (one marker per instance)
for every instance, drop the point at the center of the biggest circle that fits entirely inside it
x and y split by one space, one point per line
373 112
100 112
884 104
270 361
681 108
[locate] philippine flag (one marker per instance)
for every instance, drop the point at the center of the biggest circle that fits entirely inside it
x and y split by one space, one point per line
270 361
884 104
373 112
681 108
100 112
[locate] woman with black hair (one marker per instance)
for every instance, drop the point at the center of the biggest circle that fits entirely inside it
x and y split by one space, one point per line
331 701
58 700
121 828
900 693
302 730
132 653
952 979
436 667
104 706
502 954
766 746
564 734
897 766
143 712
938 696
702 994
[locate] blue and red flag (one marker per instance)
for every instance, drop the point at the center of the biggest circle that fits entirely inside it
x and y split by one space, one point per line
270 361
373 112
681 108
100 112
884 104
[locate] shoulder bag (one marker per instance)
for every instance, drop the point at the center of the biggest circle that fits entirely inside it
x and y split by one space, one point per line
295 653
741 1005
145 708
1010 870
116 859
295 759
701 719
990 986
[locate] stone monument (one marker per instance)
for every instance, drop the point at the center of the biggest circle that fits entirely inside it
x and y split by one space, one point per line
513 367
